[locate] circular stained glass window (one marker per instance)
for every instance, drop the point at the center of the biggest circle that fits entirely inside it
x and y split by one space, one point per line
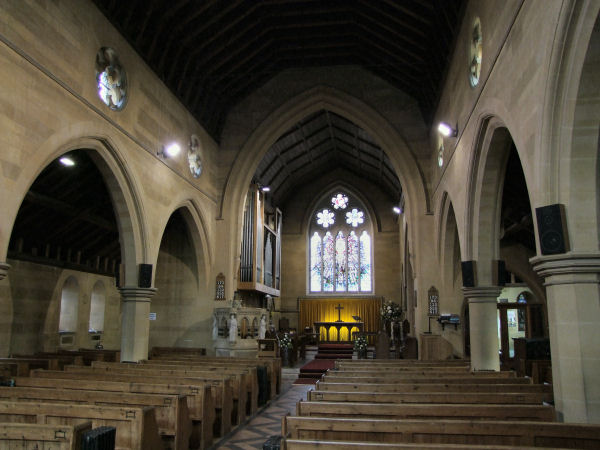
111 80
475 53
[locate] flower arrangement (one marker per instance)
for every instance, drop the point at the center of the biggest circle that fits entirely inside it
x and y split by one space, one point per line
391 312
286 341
360 343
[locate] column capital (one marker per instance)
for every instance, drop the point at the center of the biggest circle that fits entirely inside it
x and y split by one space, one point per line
136 294
568 268
482 294
4 270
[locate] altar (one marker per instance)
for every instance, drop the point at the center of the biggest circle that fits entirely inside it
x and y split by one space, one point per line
338 325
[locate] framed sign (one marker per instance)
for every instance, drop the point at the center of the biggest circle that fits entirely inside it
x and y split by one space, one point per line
434 297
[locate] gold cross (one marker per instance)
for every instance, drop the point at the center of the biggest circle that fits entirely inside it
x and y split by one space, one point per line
339 307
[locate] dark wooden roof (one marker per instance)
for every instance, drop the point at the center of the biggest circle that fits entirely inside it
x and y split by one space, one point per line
213 53
320 143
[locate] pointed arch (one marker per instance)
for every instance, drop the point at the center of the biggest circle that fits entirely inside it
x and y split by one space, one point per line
292 111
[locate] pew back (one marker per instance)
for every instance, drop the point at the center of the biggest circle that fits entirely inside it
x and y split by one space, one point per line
42 436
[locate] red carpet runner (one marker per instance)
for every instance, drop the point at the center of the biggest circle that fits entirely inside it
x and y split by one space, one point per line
324 360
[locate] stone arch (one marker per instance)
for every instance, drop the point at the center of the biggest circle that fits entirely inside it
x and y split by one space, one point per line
484 201
411 177
447 236
571 131
196 226
120 183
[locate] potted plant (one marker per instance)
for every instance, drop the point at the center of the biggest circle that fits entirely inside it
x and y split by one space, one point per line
285 346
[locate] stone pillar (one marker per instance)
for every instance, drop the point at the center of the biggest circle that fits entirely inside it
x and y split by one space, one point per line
573 299
3 270
483 326
135 328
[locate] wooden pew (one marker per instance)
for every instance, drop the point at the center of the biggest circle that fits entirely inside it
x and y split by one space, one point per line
426 411
57 360
437 387
249 372
38 436
479 432
221 389
427 373
273 366
346 378
26 364
171 411
242 388
136 427
200 404
405 369
297 444
497 398
400 363
189 351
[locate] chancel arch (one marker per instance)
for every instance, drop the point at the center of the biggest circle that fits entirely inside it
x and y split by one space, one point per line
292 112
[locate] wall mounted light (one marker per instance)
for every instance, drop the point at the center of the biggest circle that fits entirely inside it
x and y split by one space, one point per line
66 161
447 130
397 209
265 189
170 151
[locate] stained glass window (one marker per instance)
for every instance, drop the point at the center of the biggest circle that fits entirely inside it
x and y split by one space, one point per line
340 261
315 262
340 201
365 262
328 257
353 262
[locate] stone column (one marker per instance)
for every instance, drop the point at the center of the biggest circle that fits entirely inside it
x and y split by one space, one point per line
135 329
3 270
483 326
573 299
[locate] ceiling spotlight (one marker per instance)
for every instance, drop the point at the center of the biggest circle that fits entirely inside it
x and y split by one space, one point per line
447 130
170 151
265 189
397 209
66 161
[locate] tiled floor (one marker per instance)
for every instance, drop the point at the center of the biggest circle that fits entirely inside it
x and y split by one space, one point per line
254 433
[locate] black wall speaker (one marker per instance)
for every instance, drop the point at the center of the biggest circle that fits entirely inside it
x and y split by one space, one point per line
552 229
145 278
499 273
468 273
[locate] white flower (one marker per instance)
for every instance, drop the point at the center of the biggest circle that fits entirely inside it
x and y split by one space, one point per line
354 217
325 218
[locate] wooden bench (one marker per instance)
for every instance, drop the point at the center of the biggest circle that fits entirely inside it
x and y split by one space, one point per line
437 387
56 360
22 366
297 444
498 398
427 373
273 366
221 389
515 433
199 398
400 363
190 351
136 427
249 373
344 378
36 436
243 389
171 411
426 411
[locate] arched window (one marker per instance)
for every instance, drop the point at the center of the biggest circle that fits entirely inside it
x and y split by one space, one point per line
340 259
69 303
97 308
